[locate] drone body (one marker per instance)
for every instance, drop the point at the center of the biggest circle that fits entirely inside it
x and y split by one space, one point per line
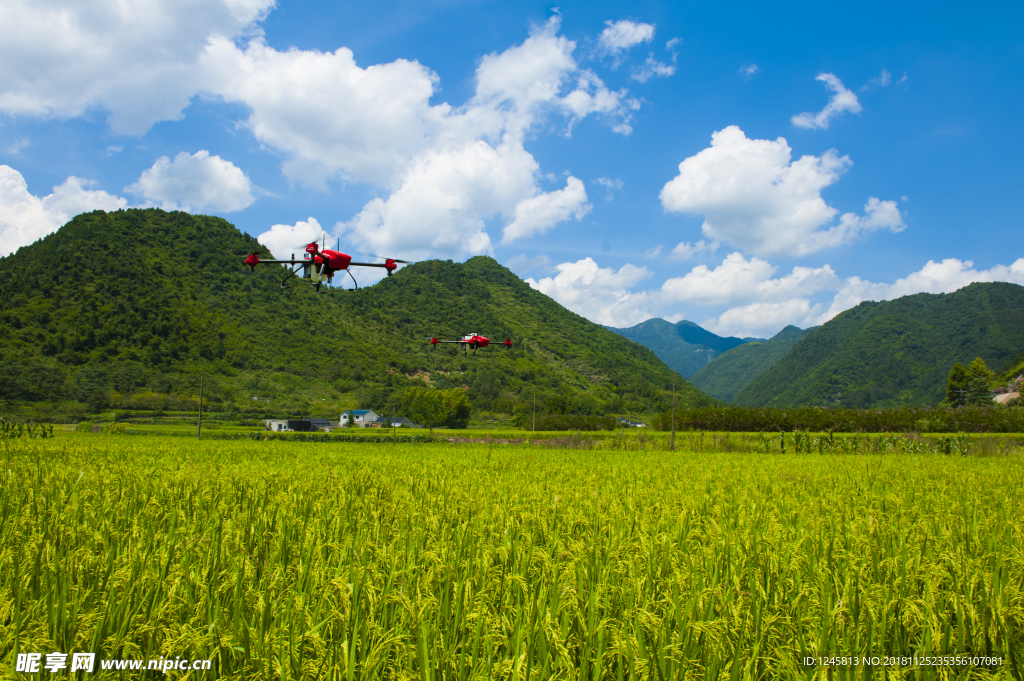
320 265
470 340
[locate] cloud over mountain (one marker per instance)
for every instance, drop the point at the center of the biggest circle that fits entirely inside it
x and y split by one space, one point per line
755 197
195 183
757 301
25 218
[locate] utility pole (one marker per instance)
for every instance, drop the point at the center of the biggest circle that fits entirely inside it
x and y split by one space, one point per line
394 431
199 429
534 413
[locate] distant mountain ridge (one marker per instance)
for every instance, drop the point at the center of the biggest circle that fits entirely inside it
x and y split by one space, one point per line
728 373
897 352
684 346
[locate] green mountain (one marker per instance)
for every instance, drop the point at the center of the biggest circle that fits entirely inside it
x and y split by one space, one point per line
896 352
126 310
731 371
684 346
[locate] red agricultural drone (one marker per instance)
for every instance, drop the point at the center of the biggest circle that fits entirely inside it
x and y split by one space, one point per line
320 265
471 340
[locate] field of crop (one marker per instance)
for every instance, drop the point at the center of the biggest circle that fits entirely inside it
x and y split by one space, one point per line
456 561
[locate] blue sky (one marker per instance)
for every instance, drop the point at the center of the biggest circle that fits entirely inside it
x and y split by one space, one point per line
744 167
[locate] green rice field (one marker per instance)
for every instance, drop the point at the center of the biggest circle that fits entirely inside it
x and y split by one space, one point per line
453 561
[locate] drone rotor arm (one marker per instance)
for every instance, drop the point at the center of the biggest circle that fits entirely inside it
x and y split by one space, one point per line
384 257
389 264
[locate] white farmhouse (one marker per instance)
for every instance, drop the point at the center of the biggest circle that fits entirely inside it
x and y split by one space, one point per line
360 417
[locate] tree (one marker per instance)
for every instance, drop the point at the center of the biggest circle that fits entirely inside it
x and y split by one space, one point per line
486 388
978 377
456 408
586 404
433 408
427 408
956 385
560 402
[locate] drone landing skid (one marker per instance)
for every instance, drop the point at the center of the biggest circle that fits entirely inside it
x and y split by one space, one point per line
338 289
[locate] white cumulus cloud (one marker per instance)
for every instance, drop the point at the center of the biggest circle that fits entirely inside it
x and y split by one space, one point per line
754 196
738 279
327 116
842 100
284 241
600 294
539 213
140 61
592 97
331 118
25 218
195 183
619 36
469 165
653 68
685 250
442 205
757 301
763 320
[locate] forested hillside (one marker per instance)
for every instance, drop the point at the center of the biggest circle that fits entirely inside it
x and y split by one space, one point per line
684 346
896 352
732 370
127 309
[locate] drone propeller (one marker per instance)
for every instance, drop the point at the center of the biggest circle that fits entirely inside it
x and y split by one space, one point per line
381 257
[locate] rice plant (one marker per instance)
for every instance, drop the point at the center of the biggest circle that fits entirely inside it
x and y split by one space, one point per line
295 560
